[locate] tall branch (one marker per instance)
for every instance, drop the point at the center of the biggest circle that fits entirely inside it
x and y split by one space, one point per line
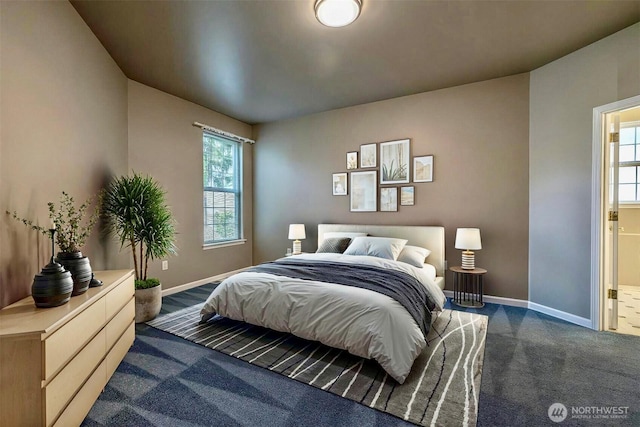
145 274
135 258
146 266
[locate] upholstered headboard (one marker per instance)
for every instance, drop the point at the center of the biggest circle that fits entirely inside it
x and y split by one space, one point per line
430 237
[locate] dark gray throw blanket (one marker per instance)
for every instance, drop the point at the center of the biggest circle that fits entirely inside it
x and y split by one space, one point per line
402 287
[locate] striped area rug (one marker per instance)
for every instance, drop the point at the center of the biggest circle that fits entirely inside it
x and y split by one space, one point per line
441 390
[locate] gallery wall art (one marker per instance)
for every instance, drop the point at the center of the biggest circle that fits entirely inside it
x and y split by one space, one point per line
389 199
352 160
340 184
407 196
394 162
423 169
364 194
368 155
389 164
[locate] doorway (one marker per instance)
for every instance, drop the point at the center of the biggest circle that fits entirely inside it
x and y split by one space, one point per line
619 290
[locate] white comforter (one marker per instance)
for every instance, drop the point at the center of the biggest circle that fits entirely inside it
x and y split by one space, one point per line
363 322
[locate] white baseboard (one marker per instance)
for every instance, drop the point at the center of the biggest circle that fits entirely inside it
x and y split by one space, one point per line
562 315
195 284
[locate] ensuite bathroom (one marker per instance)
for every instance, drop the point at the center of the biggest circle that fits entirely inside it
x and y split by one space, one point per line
629 223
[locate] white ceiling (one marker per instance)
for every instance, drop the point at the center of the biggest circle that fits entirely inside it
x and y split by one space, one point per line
266 60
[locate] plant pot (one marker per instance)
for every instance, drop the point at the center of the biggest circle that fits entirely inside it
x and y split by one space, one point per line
80 270
148 303
52 287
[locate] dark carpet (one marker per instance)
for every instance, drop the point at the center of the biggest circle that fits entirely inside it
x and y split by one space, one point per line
531 362
442 387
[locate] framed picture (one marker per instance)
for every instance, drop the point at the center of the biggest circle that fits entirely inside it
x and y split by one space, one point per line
340 184
394 162
406 196
352 160
364 194
368 155
423 169
389 199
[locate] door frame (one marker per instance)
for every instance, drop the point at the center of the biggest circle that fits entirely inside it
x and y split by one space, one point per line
597 195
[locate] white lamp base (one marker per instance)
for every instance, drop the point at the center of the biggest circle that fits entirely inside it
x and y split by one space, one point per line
297 247
468 260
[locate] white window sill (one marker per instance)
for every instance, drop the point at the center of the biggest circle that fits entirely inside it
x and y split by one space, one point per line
224 244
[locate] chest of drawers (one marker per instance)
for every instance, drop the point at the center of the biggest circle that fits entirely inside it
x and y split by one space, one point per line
54 362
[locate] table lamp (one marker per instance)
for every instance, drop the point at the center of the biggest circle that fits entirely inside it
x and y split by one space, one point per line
468 239
296 232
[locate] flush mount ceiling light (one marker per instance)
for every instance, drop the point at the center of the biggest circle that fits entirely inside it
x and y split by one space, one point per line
337 13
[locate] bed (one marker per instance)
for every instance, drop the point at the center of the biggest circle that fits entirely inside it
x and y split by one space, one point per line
364 300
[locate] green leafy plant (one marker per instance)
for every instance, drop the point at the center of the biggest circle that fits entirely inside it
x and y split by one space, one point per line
392 173
136 211
146 284
71 235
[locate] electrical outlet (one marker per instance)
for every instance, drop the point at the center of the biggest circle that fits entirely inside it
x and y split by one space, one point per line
165 265
446 264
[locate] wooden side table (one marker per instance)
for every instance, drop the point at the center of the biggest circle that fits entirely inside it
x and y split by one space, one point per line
467 286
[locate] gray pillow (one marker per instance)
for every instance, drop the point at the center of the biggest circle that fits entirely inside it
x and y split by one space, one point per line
336 245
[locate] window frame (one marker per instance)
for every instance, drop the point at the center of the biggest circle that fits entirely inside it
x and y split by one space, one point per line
238 191
634 163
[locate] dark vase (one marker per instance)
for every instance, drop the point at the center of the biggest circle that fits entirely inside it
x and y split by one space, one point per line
80 270
52 287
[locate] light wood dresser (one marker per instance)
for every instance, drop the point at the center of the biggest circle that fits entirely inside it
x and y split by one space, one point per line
54 362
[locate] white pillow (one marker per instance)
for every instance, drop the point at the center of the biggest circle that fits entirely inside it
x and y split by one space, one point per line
381 247
414 255
429 270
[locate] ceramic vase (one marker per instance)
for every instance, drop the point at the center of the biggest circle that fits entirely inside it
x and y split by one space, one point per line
80 269
52 287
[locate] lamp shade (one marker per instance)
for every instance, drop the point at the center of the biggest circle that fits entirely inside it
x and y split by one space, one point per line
468 238
296 231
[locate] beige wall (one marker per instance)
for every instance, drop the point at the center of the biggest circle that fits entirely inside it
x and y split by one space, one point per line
63 126
563 95
67 116
164 144
478 134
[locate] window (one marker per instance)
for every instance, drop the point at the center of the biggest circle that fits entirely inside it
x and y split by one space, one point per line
222 171
629 173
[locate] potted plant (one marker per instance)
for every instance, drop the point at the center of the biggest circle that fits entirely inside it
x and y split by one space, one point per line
136 211
70 235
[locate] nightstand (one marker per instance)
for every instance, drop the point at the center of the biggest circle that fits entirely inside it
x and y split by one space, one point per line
467 287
